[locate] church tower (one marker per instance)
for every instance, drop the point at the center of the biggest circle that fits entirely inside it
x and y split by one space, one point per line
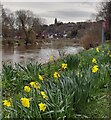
55 22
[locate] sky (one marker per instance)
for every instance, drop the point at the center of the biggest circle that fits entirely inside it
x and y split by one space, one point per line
64 10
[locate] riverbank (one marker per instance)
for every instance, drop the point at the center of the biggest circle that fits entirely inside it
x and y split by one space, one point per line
10 41
76 86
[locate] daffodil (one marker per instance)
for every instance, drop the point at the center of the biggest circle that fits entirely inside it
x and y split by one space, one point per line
64 66
27 89
51 58
43 94
25 102
42 106
35 85
95 69
56 75
94 60
40 77
6 103
97 49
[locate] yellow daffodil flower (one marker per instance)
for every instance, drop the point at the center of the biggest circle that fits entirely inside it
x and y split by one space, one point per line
6 103
56 75
35 85
97 49
95 69
40 77
51 58
25 102
43 94
42 106
94 60
64 66
27 89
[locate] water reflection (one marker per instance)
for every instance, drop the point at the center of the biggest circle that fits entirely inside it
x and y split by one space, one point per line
8 50
39 52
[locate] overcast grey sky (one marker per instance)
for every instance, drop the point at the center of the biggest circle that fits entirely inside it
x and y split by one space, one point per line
64 10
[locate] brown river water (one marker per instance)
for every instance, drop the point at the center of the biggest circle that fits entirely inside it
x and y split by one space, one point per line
40 52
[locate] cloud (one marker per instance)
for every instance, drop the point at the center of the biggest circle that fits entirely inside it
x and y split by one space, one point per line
51 0
65 11
67 14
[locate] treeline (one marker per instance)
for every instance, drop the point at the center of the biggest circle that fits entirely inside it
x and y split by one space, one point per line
22 24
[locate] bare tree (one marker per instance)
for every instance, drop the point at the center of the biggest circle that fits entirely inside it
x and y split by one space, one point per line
104 12
28 23
24 21
8 21
37 25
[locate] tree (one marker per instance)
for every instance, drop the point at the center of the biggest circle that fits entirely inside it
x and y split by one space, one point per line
37 25
8 21
24 21
28 23
104 12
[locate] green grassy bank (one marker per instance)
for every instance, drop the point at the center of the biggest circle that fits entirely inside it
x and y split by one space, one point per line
77 86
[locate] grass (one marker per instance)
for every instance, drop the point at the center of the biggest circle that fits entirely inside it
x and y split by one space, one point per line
77 93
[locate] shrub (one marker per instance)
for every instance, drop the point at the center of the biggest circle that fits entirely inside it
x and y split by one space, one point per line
91 36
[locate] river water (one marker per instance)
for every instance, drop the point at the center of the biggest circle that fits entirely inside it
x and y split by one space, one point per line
40 52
